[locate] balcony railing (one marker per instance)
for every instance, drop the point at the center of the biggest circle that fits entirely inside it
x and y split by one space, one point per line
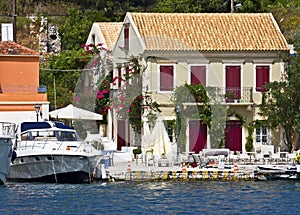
228 95
9 88
7 130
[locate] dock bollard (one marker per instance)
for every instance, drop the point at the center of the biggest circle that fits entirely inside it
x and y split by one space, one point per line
183 166
129 166
235 167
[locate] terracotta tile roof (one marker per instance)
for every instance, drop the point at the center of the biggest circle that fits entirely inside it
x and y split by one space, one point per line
210 31
110 32
12 48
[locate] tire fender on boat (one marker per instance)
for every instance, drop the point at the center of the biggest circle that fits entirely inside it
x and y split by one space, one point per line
13 156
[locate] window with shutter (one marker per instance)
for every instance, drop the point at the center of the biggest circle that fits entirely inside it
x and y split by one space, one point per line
126 37
166 78
198 75
262 77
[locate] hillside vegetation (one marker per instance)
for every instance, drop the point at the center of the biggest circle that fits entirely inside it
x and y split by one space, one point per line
286 12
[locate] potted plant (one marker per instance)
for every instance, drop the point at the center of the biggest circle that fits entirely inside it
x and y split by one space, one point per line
249 139
137 151
231 97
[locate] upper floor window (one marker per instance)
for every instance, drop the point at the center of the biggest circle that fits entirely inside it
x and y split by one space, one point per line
94 39
126 37
198 75
262 77
166 77
119 76
233 82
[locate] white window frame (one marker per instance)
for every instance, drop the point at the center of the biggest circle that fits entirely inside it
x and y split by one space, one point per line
254 74
158 78
261 135
241 79
190 72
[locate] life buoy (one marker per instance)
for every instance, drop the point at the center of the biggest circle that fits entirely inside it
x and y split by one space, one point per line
13 156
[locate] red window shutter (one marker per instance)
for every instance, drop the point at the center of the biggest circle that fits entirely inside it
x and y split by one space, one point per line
262 77
198 75
233 80
166 78
126 38
119 77
127 70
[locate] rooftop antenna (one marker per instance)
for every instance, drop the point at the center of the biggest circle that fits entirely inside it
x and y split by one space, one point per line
232 6
14 21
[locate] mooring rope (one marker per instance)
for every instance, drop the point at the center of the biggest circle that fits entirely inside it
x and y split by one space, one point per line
52 159
90 178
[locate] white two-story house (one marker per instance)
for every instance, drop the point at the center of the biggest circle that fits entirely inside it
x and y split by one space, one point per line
234 53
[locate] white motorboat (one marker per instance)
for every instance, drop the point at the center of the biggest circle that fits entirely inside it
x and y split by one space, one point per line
53 152
7 134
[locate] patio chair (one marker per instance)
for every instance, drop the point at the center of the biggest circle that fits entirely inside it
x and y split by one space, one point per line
199 159
244 158
139 159
232 157
275 157
291 157
149 159
259 157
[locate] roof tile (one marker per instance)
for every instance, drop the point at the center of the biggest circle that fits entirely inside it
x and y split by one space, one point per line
12 48
210 31
110 31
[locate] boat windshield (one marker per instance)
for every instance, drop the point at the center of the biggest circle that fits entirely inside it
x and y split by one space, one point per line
50 136
66 136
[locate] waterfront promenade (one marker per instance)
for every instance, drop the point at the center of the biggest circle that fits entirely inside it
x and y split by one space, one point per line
137 170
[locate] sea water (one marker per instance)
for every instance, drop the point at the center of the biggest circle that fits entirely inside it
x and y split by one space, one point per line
163 197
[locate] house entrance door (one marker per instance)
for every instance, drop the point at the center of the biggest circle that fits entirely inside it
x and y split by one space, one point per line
198 136
121 140
233 138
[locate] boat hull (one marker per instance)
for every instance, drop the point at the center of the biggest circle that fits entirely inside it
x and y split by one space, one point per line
53 168
5 158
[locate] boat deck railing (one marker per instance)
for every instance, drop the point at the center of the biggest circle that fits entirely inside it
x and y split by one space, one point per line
7 130
61 145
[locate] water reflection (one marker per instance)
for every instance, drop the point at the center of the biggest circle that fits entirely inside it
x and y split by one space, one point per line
168 197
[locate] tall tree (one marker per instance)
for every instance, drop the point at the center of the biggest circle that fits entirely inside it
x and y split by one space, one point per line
77 24
286 13
281 101
66 67
61 75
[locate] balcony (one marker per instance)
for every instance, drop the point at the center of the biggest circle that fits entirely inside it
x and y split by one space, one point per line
8 88
226 95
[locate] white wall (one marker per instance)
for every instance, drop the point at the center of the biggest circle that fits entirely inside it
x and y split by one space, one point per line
24 116
18 117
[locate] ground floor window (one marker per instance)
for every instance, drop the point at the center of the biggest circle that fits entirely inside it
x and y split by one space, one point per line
262 135
170 126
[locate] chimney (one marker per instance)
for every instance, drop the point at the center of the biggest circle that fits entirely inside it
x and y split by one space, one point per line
7 32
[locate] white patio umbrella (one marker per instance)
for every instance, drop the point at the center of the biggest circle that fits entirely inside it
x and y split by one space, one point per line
160 140
109 125
71 112
145 137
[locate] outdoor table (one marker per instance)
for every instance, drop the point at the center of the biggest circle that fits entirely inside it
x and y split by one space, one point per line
283 156
250 155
